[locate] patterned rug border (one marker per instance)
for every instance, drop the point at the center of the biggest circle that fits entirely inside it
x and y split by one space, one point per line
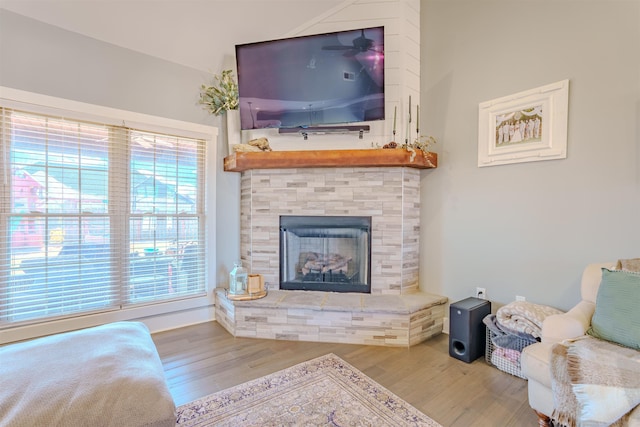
212 409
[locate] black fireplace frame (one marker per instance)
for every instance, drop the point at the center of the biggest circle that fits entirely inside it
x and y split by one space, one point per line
301 222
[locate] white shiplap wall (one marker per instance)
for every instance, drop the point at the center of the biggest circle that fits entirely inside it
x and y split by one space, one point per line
401 19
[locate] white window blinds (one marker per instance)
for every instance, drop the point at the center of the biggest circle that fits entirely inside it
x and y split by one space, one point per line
96 217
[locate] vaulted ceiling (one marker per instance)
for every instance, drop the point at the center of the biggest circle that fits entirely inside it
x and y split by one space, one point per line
195 33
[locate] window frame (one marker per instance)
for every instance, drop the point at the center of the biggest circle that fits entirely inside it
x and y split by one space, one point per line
159 315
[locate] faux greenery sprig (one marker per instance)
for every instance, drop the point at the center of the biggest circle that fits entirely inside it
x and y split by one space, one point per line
220 97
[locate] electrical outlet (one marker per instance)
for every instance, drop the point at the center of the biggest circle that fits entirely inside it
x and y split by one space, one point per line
481 293
520 298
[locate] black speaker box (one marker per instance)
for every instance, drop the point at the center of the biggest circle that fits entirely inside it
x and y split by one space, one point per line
467 333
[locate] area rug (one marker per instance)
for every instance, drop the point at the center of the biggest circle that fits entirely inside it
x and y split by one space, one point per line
326 391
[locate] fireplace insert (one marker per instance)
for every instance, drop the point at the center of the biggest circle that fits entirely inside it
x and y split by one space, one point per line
325 253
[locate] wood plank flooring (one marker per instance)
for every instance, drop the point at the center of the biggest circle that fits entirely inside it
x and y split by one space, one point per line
203 359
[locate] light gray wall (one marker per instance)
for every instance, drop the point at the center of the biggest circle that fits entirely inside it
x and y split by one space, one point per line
530 228
45 59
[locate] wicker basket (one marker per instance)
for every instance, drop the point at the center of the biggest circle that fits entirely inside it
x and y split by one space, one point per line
506 360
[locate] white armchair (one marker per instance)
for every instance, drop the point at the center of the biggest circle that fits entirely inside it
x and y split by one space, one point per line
535 360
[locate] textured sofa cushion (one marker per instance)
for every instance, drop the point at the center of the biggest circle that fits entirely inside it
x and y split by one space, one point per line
534 361
110 375
617 317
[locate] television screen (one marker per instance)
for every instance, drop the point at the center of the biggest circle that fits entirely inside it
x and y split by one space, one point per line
323 79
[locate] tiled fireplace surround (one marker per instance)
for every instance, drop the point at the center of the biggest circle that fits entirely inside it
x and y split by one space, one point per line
396 313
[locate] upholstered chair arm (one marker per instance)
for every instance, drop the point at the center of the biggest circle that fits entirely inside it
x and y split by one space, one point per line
571 324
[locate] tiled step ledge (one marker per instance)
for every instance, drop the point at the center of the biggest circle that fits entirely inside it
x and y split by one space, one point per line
388 320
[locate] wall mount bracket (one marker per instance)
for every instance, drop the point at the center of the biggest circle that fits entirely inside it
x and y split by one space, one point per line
322 130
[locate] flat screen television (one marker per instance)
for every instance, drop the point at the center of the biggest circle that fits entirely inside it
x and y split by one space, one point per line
308 81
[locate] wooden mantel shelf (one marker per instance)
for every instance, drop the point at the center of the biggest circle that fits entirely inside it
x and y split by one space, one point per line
378 157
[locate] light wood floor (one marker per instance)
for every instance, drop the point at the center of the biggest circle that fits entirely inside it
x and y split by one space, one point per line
203 359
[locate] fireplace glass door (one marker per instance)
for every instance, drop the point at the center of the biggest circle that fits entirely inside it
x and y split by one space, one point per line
325 253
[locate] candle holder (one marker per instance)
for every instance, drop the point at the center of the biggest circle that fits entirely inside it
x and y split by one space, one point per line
245 287
238 280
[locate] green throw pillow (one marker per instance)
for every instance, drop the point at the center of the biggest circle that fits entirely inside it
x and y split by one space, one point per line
617 315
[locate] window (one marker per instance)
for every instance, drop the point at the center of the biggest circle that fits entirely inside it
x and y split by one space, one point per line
96 216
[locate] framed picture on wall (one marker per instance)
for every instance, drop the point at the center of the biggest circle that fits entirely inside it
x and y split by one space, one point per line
527 126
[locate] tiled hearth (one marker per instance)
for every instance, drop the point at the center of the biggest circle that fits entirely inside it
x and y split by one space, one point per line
395 313
388 320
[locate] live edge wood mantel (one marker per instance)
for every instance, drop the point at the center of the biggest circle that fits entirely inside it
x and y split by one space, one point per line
243 161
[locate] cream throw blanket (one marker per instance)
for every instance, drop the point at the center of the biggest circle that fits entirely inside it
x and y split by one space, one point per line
595 383
632 264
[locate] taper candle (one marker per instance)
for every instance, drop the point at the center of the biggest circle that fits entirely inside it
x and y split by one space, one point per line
418 119
406 136
395 110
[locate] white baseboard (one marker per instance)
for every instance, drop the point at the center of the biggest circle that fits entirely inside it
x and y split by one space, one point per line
158 317
179 319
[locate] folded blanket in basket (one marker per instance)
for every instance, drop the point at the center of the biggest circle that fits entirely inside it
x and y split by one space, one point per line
511 356
505 338
524 316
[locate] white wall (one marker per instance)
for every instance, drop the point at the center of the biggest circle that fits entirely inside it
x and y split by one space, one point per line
530 228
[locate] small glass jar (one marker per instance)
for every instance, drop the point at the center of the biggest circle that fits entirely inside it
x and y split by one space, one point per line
238 280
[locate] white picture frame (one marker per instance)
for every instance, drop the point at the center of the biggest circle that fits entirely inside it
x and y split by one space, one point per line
527 126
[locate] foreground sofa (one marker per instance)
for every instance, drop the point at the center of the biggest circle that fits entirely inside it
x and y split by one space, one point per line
536 360
110 375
